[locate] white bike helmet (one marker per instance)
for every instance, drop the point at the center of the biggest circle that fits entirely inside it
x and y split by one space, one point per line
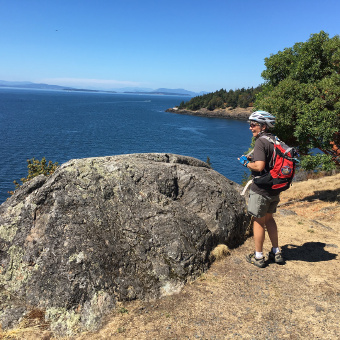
263 117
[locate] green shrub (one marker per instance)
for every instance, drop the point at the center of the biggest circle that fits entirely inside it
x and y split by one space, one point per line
36 168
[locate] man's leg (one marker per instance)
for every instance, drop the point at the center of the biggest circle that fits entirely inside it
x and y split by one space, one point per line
275 254
259 233
257 206
257 258
272 230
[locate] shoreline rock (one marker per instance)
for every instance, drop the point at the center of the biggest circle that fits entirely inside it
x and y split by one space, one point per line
237 113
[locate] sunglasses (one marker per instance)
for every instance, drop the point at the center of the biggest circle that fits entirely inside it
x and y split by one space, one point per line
253 124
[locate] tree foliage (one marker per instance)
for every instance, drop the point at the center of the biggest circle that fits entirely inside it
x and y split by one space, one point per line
222 99
36 168
302 89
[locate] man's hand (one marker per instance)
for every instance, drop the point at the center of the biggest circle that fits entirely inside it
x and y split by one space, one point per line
243 160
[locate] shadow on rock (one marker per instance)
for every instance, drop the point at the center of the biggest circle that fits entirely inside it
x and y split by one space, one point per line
308 252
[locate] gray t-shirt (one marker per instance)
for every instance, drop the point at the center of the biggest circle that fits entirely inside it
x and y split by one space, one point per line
263 151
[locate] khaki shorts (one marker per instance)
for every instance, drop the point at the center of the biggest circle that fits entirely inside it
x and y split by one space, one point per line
259 205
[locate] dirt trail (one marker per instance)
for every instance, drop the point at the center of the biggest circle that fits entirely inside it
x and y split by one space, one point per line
236 300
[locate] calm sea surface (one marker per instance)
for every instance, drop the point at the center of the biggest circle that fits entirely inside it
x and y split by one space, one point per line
62 125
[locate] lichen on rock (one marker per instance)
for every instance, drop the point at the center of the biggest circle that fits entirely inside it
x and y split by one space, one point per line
102 230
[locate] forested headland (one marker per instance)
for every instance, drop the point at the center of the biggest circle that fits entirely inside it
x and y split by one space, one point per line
222 99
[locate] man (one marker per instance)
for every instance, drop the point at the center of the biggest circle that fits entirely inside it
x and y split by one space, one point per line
262 201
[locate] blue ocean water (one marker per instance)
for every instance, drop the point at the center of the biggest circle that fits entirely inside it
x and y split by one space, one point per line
61 125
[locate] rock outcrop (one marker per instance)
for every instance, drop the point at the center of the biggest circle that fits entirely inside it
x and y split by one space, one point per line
102 230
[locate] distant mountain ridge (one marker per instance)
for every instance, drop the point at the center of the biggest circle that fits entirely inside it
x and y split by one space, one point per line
180 91
30 85
160 91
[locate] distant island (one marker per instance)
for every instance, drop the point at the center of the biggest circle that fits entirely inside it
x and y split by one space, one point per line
41 86
159 93
86 90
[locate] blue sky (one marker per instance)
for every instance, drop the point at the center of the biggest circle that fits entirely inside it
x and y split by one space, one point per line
192 44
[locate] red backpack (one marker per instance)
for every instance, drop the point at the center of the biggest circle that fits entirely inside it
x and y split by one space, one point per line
282 167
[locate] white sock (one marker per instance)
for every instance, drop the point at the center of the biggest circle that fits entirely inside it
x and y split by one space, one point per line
258 254
275 250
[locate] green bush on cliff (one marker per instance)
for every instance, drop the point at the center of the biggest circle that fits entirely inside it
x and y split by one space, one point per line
36 168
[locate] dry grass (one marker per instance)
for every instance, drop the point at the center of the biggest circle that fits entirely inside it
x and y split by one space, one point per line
219 252
32 327
235 300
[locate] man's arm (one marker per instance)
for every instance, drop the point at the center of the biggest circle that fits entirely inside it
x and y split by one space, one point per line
256 166
259 153
259 157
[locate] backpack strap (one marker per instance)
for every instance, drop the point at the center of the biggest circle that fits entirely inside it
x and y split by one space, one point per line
275 142
287 151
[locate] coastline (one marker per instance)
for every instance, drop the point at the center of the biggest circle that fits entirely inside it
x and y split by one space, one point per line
237 113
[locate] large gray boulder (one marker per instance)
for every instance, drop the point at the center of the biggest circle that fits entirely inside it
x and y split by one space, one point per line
102 230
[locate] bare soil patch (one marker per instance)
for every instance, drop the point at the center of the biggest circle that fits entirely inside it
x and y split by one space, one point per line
236 300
